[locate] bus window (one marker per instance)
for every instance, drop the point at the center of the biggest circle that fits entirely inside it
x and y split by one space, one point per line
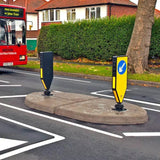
23 34
13 32
16 32
3 37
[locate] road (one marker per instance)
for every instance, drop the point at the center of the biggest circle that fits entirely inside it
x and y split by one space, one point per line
33 135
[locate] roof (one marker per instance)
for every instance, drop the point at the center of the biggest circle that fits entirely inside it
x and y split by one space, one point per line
2 2
30 5
79 3
157 13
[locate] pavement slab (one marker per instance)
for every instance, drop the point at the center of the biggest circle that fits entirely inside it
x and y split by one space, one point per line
86 108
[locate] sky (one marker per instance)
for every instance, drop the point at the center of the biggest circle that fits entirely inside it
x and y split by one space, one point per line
136 1
157 5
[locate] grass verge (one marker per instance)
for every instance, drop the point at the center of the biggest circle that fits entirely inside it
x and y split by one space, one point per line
99 70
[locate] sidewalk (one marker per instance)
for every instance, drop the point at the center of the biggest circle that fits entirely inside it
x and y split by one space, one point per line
86 108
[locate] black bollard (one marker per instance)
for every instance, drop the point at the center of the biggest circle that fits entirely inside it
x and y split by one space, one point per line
46 69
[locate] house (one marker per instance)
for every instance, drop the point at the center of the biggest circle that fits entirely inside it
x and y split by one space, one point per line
2 2
157 13
59 11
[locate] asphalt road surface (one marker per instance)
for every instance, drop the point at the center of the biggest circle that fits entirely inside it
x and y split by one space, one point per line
27 134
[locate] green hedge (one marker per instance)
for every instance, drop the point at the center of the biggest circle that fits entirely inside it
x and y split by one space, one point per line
95 39
155 39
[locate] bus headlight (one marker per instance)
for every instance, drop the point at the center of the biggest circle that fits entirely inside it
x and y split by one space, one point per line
22 57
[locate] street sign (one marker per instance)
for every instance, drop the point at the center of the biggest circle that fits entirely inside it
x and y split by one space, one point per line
46 66
119 75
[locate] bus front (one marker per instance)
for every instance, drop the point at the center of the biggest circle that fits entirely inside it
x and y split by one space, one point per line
13 50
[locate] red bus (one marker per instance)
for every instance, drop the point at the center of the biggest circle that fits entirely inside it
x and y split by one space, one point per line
13 50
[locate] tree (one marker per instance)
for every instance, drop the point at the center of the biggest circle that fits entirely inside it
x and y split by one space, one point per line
138 50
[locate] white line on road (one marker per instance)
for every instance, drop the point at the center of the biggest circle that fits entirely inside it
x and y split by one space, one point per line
2 81
142 102
150 109
126 99
108 90
27 73
16 85
29 147
6 143
32 146
76 80
63 121
103 95
28 126
68 79
142 134
14 96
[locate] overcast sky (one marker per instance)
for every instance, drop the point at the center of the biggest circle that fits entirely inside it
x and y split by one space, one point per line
157 6
136 1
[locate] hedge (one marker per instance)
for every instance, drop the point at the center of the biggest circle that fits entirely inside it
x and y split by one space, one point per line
98 39
155 39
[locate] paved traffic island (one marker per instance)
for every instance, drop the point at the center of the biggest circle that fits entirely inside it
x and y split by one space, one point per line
86 108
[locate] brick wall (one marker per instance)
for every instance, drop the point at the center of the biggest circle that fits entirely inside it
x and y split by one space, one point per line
32 34
122 10
48 23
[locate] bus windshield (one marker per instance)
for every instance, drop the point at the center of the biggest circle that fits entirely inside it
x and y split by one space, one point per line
12 32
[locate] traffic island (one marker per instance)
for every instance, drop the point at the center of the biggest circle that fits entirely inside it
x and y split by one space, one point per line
86 108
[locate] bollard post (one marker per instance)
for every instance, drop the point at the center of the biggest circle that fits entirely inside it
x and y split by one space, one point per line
119 83
46 70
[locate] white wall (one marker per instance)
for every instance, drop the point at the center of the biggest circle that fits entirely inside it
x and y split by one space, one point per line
80 13
40 18
32 20
63 15
104 11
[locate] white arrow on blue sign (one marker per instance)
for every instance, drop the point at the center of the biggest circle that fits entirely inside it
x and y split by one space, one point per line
122 67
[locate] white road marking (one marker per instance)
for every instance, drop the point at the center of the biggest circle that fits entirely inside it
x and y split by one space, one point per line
98 93
150 109
32 146
63 121
16 85
76 80
68 79
14 96
142 134
9 143
142 102
27 73
7 82
126 99
29 126
108 90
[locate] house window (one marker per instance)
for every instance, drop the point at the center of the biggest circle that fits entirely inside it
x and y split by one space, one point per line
98 12
45 15
71 14
57 15
52 15
92 13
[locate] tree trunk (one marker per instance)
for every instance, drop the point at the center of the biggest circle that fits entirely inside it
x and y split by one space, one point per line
138 50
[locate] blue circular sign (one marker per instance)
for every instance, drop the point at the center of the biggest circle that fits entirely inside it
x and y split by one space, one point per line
122 67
